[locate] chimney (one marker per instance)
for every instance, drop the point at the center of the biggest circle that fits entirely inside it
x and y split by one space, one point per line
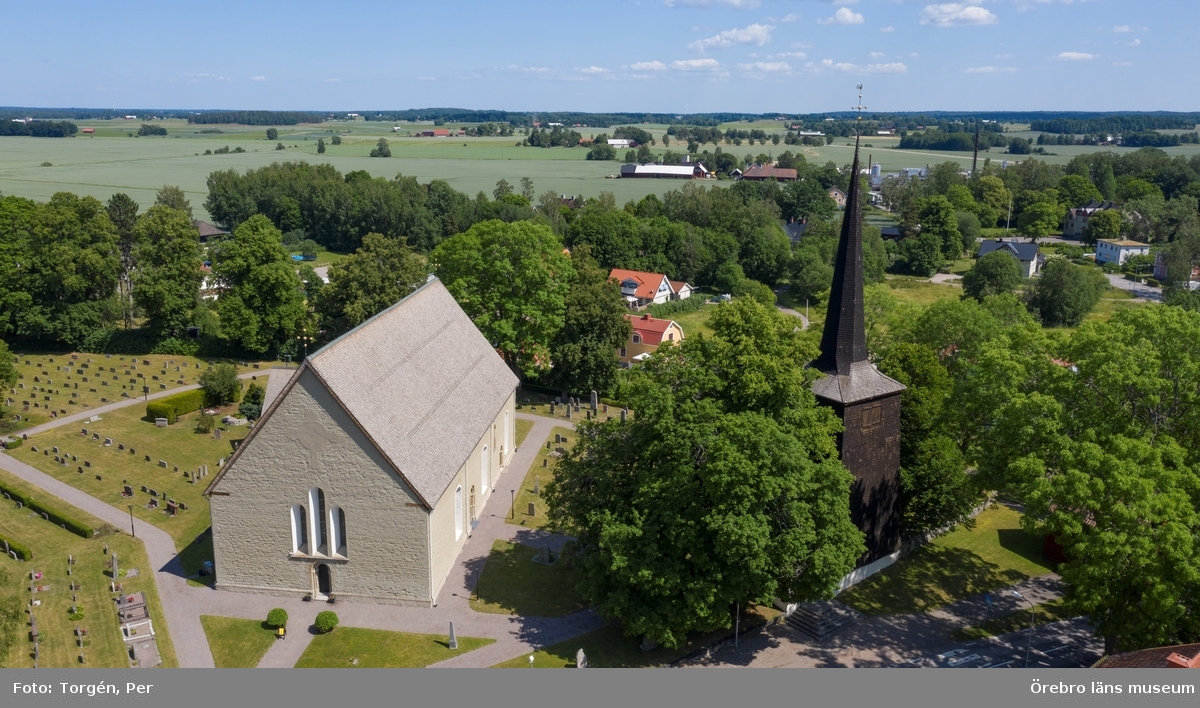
1179 661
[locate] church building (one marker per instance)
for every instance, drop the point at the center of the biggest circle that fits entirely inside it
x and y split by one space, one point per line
371 461
867 401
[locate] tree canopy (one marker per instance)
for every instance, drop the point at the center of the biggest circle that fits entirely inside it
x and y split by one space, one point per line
378 275
261 307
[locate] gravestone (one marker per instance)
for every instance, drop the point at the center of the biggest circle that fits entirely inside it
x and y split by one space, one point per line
453 638
532 509
108 442
545 460
216 433
605 407
535 485
580 659
568 412
589 415
160 422
595 400
552 408
624 412
162 463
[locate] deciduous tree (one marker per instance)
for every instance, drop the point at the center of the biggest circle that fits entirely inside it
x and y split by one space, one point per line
262 306
995 273
166 284
381 273
1066 293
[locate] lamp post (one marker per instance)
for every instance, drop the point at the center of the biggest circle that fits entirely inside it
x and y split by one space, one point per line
512 504
303 337
132 532
1032 614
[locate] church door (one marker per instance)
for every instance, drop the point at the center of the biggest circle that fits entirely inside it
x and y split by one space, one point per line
324 584
473 519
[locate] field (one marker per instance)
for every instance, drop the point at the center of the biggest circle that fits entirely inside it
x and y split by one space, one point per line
355 647
103 645
106 469
91 380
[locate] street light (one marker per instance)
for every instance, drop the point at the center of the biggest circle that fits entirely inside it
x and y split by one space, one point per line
1032 614
131 530
512 503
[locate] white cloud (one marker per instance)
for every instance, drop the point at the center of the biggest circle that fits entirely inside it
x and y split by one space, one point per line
751 34
749 4
848 68
889 28
876 55
695 64
1075 56
953 14
1121 28
990 70
792 55
594 70
802 45
1135 43
1122 63
648 66
844 16
1004 56
790 18
768 66
258 78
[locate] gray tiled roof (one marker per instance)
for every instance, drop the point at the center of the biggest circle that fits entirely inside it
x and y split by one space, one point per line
277 380
422 382
863 383
1024 252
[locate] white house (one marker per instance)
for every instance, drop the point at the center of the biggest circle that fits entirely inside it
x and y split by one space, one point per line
1111 250
1077 219
621 143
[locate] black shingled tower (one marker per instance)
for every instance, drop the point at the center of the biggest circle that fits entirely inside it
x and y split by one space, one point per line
867 401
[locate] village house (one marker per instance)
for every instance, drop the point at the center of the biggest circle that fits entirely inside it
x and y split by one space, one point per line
208 231
1027 254
760 173
646 335
682 290
838 197
1113 250
642 289
371 462
1077 219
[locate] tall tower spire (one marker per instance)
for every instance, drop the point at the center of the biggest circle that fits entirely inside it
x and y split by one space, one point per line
844 340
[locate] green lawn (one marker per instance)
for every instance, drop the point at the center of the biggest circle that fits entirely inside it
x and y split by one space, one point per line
921 291
513 584
237 643
380 649
1044 613
962 563
104 646
538 474
70 383
695 322
179 445
608 647
522 430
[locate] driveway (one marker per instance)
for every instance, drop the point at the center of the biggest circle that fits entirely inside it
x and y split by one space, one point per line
1141 293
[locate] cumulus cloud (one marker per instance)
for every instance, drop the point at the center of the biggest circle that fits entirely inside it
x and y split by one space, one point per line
792 55
990 70
1121 28
953 14
1122 63
889 28
695 64
751 34
1135 43
876 55
593 70
1075 56
648 66
740 4
849 68
790 18
767 66
844 16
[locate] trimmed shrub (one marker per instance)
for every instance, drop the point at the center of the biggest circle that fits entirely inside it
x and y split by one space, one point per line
22 551
159 409
72 525
277 618
12 444
677 307
205 423
326 621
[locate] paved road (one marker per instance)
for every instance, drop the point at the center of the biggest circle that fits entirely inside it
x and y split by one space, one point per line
183 604
1066 644
1143 293
788 311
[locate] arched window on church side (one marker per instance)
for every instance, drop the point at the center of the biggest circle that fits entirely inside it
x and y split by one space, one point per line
320 522
485 468
299 529
341 532
458 513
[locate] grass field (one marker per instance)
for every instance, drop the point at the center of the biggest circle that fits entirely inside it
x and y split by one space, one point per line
237 643
521 431
104 646
962 563
695 322
106 469
608 647
64 384
513 584
537 474
354 647
920 291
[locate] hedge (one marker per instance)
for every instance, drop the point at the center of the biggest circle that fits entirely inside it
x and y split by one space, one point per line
677 307
22 552
172 407
72 525
12 444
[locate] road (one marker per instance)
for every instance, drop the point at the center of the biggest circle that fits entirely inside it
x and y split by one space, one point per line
1142 293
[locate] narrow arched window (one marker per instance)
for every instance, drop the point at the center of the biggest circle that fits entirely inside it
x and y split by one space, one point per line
484 470
458 513
341 534
506 443
320 522
299 529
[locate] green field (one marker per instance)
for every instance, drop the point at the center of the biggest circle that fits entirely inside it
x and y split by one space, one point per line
355 647
104 646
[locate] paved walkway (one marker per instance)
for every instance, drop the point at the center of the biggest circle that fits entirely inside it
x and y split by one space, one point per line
183 604
1142 293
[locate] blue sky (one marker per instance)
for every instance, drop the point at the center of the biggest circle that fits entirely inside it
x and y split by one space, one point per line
796 56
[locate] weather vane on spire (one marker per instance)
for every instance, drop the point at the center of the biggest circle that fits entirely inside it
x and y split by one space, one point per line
860 108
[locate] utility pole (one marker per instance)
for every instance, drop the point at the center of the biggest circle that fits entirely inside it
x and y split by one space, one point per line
975 159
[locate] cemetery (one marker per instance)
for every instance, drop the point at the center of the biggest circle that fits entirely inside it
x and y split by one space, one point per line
542 470
126 460
521 580
54 385
572 408
68 595
356 647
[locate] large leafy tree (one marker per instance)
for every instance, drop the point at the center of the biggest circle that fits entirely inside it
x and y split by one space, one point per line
995 273
512 280
1066 292
166 283
584 352
937 218
725 488
381 273
262 306
173 197
123 213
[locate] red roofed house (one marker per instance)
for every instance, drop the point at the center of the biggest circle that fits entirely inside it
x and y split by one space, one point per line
641 289
1180 656
646 336
435 133
682 290
760 173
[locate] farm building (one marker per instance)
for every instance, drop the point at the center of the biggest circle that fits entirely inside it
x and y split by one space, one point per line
87 131
621 143
435 133
208 231
371 462
694 170
758 173
838 197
